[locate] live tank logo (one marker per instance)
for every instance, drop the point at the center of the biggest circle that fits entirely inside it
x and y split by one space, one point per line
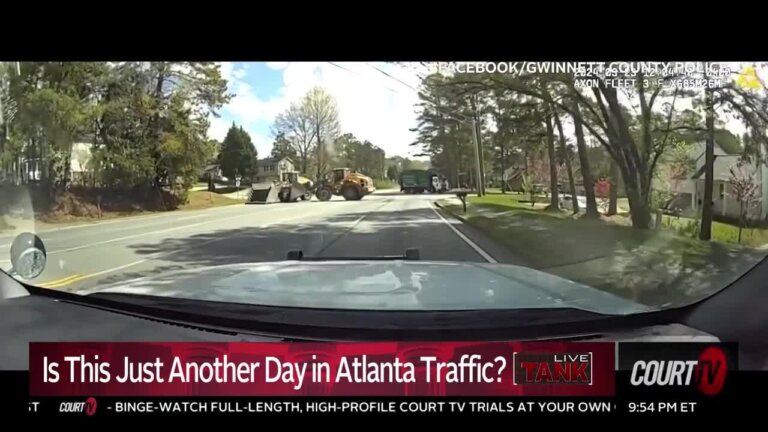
552 368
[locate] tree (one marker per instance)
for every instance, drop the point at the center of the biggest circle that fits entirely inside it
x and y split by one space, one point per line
323 115
745 189
361 156
567 159
283 148
444 132
676 166
729 142
295 124
634 141
393 173
554 199
584 165
145 124
238 155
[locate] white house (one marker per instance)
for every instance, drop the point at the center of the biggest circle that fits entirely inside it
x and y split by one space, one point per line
271 169
690 190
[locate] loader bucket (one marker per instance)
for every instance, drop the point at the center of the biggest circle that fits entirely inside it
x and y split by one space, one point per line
264 193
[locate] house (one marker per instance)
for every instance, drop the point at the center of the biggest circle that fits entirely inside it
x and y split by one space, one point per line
272 169
81 163
689 190
212 172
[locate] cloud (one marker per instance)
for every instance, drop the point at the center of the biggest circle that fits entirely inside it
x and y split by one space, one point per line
248 107
262 143
218 128
239 73
371 105
226 70
277 65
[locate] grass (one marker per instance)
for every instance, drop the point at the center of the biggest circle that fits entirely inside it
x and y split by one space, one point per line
721 232
196 200
659 268
204 185
385 184
204 199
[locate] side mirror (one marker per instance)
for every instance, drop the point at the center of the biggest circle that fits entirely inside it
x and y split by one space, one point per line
28 255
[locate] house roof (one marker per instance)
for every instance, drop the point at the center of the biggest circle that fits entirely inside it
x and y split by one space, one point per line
272 160
700 147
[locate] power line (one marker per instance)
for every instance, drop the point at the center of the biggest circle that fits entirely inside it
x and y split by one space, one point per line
358 74
449 114
394 78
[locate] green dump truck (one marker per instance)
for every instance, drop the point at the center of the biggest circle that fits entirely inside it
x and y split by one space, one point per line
416 181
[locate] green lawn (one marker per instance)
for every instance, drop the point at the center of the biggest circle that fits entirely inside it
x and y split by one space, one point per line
721 232
651 267
385 184
204 199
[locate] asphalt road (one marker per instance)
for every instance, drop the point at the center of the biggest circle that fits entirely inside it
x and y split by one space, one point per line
385 223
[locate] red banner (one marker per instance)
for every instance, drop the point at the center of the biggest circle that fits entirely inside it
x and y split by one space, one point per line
322 369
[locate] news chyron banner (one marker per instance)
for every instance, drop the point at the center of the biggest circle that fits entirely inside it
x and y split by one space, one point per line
114 379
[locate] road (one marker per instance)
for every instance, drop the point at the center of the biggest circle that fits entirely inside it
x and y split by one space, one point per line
385 223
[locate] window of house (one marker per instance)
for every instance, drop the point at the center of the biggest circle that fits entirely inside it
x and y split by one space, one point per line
722 190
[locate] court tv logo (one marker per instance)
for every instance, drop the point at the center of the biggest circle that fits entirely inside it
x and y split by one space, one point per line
88 407
707 373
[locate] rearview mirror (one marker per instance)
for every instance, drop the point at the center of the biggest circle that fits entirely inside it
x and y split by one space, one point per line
28 255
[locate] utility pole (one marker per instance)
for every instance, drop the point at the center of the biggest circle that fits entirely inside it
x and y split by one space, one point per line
478 145
705 232
478 167
480 158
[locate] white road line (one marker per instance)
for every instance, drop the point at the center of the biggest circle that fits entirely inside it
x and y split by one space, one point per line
117 239
198 213
103 242
461 235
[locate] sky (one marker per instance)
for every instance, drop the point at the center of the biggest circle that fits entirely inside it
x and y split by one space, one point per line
371 105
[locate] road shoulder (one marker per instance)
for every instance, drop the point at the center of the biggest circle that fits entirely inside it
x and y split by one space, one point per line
500 253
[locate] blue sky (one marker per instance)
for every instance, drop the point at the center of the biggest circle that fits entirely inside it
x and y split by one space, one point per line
371 105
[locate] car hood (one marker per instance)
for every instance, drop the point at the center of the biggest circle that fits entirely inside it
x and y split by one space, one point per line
377 285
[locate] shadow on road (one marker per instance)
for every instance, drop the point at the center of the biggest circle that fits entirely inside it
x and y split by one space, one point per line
378 233
398 193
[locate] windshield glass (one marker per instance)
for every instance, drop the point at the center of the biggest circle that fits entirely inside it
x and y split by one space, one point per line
611 187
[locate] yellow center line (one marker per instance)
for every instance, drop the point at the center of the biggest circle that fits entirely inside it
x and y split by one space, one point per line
60 281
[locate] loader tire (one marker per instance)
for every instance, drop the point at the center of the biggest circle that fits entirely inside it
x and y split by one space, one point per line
324 194
351 193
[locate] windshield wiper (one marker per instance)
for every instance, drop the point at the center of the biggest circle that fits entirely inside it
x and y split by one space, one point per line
411 254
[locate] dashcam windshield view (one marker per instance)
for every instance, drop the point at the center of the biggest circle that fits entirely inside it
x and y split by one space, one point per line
610 187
